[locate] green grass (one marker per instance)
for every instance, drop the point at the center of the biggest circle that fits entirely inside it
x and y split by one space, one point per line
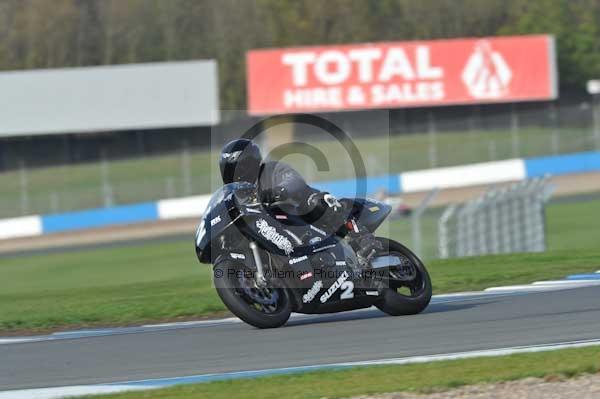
65 188
427 377
574 225
152 282
105 286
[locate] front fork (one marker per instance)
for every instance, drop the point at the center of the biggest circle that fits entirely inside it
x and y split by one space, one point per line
261 281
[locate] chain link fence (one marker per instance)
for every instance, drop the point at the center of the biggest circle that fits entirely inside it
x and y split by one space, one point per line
431 141
506 220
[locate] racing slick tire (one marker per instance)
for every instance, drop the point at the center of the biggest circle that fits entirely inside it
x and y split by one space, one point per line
261 308
395 303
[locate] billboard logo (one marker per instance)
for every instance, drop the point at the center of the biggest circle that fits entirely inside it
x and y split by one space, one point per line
402 74
486 74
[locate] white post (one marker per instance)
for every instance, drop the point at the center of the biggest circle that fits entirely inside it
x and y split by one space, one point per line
495 232
24 180
506 222
545 195
107 191
461 239
540 201
528 200
443 233
186 169
492 150
416 234
465 230
555 134
54 204
593 87
596 102
432 132
470 229
416 221
169 187
516 221
514 128
482 227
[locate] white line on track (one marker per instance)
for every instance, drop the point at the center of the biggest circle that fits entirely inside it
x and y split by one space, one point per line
540 286
67 392
436 299
551 285
194 323
520 288
63 392
4 341
567 282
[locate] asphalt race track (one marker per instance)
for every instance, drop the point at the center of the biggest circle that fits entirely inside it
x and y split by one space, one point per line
455 324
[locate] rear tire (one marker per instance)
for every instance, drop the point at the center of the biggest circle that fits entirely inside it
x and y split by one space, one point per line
397 304
242 305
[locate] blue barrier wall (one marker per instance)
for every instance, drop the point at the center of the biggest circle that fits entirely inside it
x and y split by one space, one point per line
146 212
361 187
136 213
563 164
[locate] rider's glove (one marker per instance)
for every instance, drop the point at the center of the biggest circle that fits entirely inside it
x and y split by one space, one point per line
324 200
332 202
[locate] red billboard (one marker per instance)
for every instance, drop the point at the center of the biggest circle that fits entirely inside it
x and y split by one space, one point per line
401 74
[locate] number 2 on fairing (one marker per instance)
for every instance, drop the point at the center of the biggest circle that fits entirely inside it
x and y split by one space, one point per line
347 290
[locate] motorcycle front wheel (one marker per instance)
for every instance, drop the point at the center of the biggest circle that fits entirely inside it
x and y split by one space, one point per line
405 297
268 307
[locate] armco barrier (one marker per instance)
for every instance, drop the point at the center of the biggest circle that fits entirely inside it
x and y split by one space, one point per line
182 207
461 176
20 227
415 181
563 164
351 187
87 219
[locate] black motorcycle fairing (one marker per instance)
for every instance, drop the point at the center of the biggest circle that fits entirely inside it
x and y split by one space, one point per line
236 205
283 239
341 261
235 255
220 214
308 279
315 262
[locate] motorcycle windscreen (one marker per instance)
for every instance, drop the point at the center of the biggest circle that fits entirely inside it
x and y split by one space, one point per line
371 213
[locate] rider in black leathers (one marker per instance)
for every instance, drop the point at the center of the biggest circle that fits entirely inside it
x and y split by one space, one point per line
241 160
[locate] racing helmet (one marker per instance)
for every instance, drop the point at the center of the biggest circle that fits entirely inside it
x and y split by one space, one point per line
240 161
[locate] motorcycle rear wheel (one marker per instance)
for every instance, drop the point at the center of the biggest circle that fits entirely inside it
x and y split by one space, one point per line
395 303
261 308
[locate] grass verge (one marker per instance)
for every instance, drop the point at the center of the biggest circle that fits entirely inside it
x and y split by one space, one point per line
425 377
163 281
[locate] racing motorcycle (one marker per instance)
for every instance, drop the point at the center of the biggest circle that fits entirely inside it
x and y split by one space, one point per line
268 263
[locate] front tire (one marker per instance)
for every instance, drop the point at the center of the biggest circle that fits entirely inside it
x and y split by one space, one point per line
261 308
395 303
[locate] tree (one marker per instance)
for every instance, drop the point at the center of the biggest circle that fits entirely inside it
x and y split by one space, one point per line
58 33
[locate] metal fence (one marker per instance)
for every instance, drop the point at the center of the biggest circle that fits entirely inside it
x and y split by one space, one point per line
413 143
506 220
